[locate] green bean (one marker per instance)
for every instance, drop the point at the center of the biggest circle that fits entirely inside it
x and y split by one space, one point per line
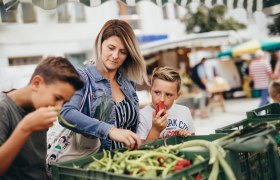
226 168
62 119
215 171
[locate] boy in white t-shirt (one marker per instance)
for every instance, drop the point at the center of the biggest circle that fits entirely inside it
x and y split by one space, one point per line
177 121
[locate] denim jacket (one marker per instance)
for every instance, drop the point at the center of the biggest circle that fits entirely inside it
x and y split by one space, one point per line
85 121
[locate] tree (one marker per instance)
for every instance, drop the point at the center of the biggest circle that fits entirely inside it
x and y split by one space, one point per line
205 20
274 29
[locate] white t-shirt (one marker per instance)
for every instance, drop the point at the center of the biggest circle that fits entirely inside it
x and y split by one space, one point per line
179 117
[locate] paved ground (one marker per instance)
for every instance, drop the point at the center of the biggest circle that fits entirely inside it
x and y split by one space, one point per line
235 111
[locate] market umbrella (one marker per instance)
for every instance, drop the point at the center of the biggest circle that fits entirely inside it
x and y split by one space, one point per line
268 6
250 47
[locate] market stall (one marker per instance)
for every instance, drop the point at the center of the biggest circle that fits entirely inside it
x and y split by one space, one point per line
270 7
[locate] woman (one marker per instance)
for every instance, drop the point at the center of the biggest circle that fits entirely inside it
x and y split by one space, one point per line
112 103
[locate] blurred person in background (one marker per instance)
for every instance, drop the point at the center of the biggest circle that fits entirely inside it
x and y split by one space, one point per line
199 77
276 72
260 74
273 59
112 105
171 119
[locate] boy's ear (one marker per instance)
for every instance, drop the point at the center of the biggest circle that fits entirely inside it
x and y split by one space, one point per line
36 81
178 94
278 97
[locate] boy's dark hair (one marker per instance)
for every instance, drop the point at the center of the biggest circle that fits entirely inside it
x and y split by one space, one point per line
54 69
167 74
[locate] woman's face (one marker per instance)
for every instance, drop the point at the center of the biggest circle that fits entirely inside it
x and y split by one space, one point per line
113 53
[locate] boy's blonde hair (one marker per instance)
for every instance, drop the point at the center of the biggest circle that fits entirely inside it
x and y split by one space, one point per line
167 74
274 90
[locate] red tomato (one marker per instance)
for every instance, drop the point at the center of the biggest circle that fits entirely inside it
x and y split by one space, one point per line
184 163
178 168
161 106
198 177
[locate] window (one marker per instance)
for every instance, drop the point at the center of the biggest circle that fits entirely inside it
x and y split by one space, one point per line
76 59
165 12
63 14
17 61
131 10
80 12
170 11
28 13
7 16
130 15
177 10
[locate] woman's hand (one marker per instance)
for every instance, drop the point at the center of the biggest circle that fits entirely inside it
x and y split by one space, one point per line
129 138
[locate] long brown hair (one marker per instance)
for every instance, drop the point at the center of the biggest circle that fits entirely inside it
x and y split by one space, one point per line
134 67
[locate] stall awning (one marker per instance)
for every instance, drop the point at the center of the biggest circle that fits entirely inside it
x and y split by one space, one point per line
268 6
201 40
250 47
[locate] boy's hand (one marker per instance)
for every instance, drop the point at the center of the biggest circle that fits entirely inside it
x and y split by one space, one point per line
159 122
129 138
41 119
183 133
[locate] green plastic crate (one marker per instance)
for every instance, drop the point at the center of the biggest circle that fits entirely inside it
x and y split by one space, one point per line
241 124
66 170
257 165
267 112
244 165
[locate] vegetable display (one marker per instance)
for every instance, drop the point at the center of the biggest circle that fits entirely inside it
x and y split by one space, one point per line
161 161
165 160
142 163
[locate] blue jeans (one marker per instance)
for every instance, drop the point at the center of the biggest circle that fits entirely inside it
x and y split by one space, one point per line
264 97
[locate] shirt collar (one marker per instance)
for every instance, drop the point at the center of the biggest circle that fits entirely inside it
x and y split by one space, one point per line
98 76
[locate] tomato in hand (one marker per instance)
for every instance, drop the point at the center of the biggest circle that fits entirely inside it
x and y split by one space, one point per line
161 106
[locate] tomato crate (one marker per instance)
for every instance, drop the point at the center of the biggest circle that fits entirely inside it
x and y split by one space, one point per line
74 169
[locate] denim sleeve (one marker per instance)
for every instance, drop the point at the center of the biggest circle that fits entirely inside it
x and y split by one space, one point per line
84 123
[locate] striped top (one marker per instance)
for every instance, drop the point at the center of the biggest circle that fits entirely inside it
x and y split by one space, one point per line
259 71
126 118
